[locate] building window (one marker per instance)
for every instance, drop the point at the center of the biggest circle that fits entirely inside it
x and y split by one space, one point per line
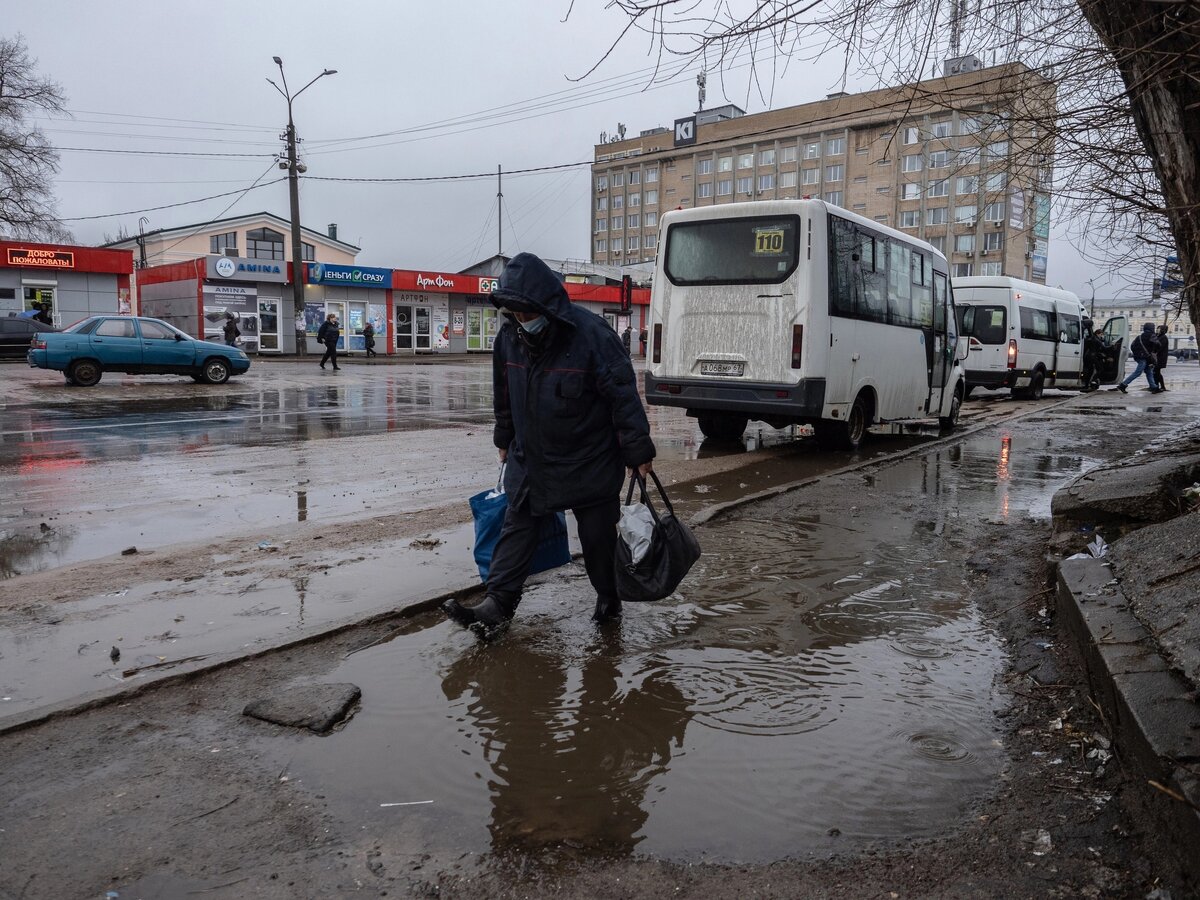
601 204
635 199
618 179
651 221
618 201
939 159
938 242
616 244
787 179
993 212
632 243
704 190
264 243
812 150
940 129
766 157
308 253
968 156
964 243
968 185
725 164
811 176
651 176
745 160
996 183
601 225
935 215
635 177
618 223
998 150
834 198
910 191
993 240
602 182
834 146
766 182
910 218
651 198
911 134
787 154
744 185
724 187
633 220
704 166
912 163
991 268
968 125
219 243
834 173
939 188
962 270
965 215
601 245
651 241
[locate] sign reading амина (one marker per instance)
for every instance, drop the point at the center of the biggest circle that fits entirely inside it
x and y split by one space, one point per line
42 259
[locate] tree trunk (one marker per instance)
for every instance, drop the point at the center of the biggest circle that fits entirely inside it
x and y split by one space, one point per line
1156 47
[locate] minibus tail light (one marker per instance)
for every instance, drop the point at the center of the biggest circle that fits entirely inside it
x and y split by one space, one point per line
1012 353
797 341
657 357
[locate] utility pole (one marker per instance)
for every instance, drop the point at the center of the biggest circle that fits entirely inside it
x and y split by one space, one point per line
294 168
499 214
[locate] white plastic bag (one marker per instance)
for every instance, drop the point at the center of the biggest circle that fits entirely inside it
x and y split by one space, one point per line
636 527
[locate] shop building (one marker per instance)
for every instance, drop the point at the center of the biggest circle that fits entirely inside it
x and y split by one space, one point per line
356 295
962 161
75 282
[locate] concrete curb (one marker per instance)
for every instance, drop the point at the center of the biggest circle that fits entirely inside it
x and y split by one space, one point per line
1155 724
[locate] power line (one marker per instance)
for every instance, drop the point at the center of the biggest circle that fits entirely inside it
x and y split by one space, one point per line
160 152
429 178
134 212
240 195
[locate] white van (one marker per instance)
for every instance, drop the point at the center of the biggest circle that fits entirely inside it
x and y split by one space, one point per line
1027 337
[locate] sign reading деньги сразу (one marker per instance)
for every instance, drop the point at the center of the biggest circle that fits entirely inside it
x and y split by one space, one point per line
358 276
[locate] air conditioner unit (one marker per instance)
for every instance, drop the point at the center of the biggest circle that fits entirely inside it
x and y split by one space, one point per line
230 251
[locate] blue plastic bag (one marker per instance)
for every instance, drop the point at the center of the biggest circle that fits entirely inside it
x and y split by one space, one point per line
488 509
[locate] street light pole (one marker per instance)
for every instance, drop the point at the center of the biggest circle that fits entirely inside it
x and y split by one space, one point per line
1093 302
293 168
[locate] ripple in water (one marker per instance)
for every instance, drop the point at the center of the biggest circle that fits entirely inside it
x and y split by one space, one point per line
922 647
937 747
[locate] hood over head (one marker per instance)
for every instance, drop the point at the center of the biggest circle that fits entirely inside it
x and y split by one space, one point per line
528 285
1148 328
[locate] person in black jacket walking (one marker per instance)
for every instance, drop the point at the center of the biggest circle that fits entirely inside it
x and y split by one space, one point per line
328 335
569 423
1161 356
1145 351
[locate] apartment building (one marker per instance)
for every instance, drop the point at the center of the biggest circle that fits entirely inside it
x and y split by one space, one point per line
962 161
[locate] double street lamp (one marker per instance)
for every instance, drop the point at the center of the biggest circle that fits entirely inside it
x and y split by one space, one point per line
294 170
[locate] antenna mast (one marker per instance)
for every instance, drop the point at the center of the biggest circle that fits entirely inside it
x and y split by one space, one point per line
701 81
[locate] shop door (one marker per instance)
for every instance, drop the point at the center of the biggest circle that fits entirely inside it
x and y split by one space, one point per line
474 329
268 324
404 328
338 308
355 325
422 318
41 300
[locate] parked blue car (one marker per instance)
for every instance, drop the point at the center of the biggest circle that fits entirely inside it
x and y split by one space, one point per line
134 345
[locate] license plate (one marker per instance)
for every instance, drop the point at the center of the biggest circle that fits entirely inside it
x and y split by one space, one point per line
722 368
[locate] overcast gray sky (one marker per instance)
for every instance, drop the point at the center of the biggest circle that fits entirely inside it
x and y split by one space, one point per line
456 88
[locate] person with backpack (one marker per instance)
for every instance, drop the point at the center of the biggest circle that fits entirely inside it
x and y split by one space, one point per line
1145 353
328 335
230 330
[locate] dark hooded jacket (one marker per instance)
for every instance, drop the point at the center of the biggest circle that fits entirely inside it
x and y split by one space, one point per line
1145 346
566 400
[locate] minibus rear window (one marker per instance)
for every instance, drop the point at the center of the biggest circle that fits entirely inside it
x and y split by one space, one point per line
753 250
984 323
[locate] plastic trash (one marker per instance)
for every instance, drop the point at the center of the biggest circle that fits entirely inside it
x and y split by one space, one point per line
1098 548
636 528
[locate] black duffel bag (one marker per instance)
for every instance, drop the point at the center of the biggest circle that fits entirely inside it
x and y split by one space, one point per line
672 551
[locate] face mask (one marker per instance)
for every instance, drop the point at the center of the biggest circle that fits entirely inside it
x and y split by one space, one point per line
534 326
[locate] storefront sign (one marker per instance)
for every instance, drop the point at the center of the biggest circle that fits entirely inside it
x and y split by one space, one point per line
458 325
437 282
357 276
41 259
237 268
487 285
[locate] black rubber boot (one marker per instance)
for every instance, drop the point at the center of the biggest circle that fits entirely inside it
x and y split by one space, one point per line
607 610
486 618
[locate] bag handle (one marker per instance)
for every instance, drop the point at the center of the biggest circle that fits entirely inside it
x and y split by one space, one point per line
638 479
500 478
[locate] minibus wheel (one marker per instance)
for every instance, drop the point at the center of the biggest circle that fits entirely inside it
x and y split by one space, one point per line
847 435
723 426
950 422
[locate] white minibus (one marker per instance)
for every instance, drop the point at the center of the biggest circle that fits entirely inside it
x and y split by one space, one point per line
795 311
1027 337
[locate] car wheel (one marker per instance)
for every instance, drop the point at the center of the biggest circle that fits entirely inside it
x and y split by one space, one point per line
216 371
847 435
1037 386
85 372
723 427
950 422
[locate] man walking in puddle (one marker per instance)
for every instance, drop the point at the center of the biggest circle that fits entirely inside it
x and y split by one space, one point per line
569 423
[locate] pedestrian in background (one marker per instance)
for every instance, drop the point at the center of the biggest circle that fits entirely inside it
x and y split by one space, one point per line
1160 362
328 335
1145 351
301 334
1093 347
230 330
625 338
369 339
569 422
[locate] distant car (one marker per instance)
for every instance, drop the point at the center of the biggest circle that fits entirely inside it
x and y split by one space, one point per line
134 345
16 333
1185 353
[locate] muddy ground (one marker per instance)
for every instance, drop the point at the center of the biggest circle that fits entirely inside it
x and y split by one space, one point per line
172 793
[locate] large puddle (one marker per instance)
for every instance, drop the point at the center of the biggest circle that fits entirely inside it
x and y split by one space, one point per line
823 680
